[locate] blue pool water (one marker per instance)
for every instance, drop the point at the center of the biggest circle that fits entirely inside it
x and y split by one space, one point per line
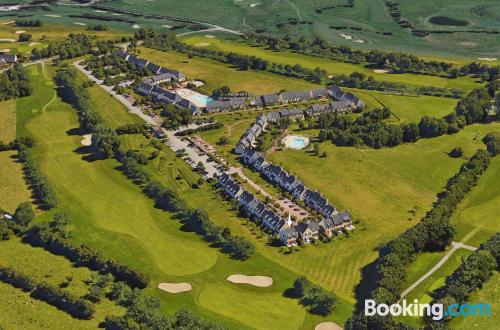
298 143
203 99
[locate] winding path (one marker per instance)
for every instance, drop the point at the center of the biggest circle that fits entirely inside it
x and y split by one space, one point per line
454 247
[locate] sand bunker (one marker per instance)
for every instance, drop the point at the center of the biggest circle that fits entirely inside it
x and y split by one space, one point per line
167 26
202 44
260 281
80 23
52 15
489 59
328 326
175 287
20 31
359 41
100 11
380 71
345 36
7 40
116 14
136 26
87 140
34 43
254 4
5 50
7 23
211 36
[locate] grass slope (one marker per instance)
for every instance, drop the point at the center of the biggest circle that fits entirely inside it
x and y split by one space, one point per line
14 189
7 120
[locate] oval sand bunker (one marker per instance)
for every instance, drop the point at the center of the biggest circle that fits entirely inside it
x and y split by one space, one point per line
175 287
87 140
328 326
260 281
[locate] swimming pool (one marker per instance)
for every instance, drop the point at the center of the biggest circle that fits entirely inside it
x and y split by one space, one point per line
295 141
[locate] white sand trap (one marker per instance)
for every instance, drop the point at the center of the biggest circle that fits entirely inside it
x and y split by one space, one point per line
254 4
328 326
80 23
34 43
167 26
7 40
5 50
175 287
20 31
100 11
52 15
380 71
7 23
359 41
202 44
345 36
260 281
211 36
117 14
87 140
136 26
489 59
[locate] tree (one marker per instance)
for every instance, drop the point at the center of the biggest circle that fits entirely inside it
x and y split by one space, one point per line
456 152
316 149
24 214
105 142
24 37
223 140
492 141
325 154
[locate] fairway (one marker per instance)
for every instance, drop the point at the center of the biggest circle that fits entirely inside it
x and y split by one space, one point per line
479 210
7 120
331 66
14 189
217 75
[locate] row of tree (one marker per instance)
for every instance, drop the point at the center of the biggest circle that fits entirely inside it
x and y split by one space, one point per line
14 82
370 128
74 45
398 62
28 23
38 182
433 233
318 299
168 41
63 300
55 238
473 272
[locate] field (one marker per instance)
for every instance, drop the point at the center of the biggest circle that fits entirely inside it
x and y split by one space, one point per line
14 189
217 75
29 313
7 120
109 212
332 67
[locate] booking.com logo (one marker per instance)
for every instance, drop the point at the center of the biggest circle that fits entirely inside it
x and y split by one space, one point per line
436 311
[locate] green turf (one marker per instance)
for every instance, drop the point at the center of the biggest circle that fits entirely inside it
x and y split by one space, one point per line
14 189
332 67
217 75
479 211
7 120
28 313
110 213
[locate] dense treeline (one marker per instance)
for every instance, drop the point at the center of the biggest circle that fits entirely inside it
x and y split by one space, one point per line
76 94
397 62
55 238
144 312
76 307
28 23
492 141
113 69
38 182
14 82
206 127
132 129
470 276
318 299
433 233
73 46
370 128
168 41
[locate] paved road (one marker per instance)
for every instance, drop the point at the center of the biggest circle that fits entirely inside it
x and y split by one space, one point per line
454 246
40 61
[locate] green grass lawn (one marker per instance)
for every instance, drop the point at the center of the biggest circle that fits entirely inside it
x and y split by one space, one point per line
381 188
7 120
110 213
423 292
479 210
28 313
14 189
331 66
217 75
